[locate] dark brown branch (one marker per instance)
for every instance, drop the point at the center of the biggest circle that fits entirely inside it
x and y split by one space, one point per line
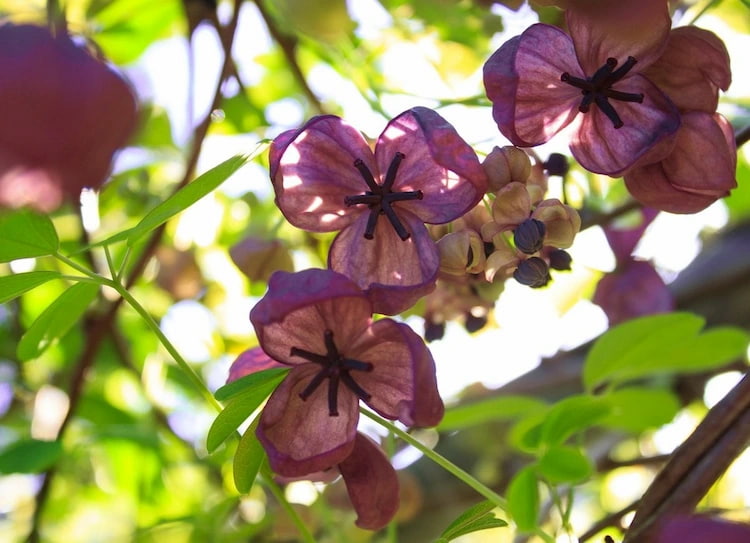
613 519
288 46
696 464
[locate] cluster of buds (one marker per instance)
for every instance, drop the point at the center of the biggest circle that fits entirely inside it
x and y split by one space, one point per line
520 234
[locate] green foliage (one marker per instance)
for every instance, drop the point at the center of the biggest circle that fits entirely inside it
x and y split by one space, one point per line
241 404
564 464
523 499
660 344
12 286
247 459
26 234
249 382
29 456
55 321
487 410
476 518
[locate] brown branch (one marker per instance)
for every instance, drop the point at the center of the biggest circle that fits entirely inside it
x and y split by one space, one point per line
613 519
288 46
696 464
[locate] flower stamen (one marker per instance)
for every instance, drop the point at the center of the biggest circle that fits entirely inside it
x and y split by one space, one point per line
335 368
380 197
597 89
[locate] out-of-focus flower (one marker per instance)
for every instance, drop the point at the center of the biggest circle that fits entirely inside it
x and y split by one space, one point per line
320 323
327 178
540 81
634 288
65 114
258 258
371 481
699 170
697 529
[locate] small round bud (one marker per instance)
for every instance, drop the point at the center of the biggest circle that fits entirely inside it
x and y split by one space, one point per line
532 272
560 260
433 330
506 165
461 252
474 323
529 236
557 164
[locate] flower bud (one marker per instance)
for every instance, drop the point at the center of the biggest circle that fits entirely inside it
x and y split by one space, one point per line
65 113
532 272
529 236
560 260
258 258
562 222
557 164
506 165
461 252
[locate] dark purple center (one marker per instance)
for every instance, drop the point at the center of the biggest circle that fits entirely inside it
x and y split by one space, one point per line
335 367
598 88
380 198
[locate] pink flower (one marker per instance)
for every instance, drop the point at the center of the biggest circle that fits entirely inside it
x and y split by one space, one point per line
540 81
327 178
320 323
698 171
65 114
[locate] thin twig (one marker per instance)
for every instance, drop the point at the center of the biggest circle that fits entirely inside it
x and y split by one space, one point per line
288 46
612 519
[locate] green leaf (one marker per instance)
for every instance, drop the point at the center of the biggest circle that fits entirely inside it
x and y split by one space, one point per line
56 320
570 416
249 381
477 517
659 344
564 464
500 408
247 459
238 409
29 456
14 285
185 197
26 234
523 499
635 409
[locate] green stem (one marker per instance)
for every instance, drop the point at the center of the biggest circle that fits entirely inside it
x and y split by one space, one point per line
441 461
181 362
78 267
298 522
111 264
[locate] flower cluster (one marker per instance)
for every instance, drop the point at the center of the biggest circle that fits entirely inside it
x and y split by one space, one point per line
65 113
639 98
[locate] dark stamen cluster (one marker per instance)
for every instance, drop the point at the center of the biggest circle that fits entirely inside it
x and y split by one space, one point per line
335 367
381 197
598 88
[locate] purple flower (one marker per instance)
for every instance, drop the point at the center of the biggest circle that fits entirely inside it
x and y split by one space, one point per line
371 481
65 114
327 178
540 81
697 172
697 529
633 289
320 323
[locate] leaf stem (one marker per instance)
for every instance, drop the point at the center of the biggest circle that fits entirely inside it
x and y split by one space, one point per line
296 519
440 460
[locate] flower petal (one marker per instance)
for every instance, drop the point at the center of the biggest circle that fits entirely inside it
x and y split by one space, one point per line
372 484
312 170
251 361
699 171
646 135
300 436
437 161
692 69
511 207
402 383
395 272
299 307
699 529
562 222
530 103
612 28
